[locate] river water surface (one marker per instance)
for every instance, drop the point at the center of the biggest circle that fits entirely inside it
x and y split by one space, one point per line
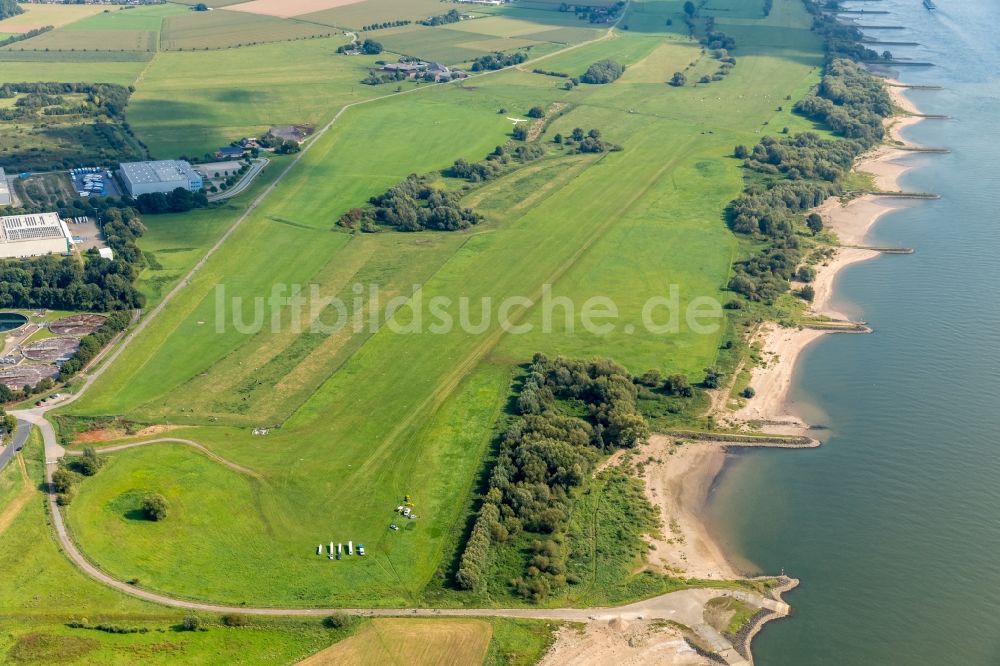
893 525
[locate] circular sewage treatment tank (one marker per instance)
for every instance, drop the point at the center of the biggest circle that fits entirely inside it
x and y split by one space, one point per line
11 320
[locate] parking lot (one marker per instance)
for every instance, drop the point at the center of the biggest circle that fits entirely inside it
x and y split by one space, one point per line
94 181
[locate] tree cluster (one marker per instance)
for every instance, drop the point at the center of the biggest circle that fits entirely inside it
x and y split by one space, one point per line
412 205
603 71
570 412
375 78
586 142
452 16
9 8
68 474
598 14
850 101
100 99
368 47
498 60
180 200
493 165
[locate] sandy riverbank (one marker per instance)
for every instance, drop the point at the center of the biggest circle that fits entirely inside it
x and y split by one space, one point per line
851 223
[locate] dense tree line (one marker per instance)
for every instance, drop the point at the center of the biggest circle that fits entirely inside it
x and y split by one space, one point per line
603 71
498 60
795 174
494 163
92 343
385 24
546 453
841 40
22 36
548 72
413 205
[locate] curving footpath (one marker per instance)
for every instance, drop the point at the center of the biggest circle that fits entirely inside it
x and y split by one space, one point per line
175 440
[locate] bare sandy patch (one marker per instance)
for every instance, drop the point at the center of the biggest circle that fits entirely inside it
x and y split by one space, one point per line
287 8
678 478
635 643
116 432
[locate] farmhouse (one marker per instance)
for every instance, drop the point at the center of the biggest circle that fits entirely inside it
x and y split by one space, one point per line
432 70
33 235
162 176
5 199
229 152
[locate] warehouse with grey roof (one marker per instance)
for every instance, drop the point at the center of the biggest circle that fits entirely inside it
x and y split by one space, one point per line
160 176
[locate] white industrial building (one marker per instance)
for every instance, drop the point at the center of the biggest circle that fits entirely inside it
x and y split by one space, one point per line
5 198
161 176
33 235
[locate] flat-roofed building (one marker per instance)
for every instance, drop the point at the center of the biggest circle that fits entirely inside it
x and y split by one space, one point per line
33 235
160 176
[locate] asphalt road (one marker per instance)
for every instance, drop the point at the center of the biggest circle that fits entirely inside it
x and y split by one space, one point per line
20 437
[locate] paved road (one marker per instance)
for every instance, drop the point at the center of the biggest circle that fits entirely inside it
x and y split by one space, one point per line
16 442
243 183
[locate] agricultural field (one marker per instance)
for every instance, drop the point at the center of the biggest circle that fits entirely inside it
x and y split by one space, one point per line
224 29
90 40
41 15
361 418
358 14
192 103
414 642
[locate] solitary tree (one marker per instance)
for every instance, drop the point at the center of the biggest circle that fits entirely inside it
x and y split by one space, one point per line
90 462
807 293
815 223
154 506
536 112
690 9
678 80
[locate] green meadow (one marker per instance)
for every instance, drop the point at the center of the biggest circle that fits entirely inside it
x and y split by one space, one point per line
41 593
360 418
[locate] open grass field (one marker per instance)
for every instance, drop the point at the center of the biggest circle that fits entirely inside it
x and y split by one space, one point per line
192 103
366 417
90 40
223 29
424 642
